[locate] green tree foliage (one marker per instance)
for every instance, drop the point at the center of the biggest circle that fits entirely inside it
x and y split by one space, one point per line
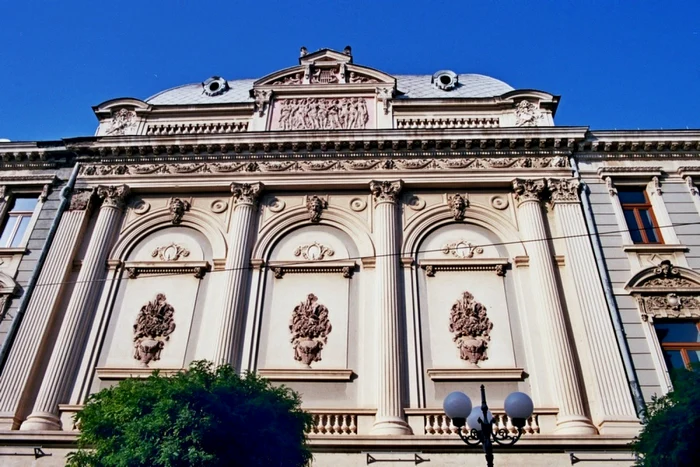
204 416
669 436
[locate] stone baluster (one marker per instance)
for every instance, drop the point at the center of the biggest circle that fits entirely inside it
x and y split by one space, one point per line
564 378
614 408
77 320
389 419
245 197
56 269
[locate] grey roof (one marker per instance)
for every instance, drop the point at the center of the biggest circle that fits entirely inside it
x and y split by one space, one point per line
413 87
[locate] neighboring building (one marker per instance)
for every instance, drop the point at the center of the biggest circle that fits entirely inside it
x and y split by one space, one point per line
372 241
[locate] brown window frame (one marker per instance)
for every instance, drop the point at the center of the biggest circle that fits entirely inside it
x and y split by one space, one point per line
635 208
683 347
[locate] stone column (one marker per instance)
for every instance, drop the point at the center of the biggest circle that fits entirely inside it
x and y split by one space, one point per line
56 270
66 353
564 380
615 409
245 197
389 419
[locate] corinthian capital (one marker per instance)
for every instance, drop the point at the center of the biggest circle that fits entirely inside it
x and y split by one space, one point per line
528 190
80 200
563 190
246 193
385 191
113 195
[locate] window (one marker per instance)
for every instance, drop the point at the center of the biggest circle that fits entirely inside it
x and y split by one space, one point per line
680 342
17 221
639 215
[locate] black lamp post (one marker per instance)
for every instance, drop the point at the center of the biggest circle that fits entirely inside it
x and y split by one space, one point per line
458 407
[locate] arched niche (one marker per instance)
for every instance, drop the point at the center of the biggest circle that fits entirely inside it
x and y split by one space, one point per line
318 261
464 268
165 268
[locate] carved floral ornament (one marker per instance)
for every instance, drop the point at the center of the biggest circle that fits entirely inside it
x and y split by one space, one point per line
462 249
528 190
154 324
113 196
471 328
314 251
171 252
310 328
80 200
563 190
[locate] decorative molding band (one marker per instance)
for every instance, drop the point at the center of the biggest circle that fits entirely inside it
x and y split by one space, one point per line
326 165
693 171
654 248
280 268
306 374
124 373
28 179
432 266
442 123
205 128
629 172
476 374
137 268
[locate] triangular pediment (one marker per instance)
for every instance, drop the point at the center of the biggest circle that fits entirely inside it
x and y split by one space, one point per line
326 55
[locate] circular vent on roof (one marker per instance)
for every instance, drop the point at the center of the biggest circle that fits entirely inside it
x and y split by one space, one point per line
445 80
215 86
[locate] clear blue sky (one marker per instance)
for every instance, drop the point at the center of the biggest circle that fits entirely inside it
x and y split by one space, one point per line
616 64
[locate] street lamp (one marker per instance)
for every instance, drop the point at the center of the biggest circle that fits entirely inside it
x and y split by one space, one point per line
458 407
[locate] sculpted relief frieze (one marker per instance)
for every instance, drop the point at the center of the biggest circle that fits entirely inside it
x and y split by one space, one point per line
122 123
313 113
310 328
337 165
154 324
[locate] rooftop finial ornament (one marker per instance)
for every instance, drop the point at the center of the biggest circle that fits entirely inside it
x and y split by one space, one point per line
347 50
303 52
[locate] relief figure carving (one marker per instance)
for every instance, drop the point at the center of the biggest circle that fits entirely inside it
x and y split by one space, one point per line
315 205
154 324
471 328
122 123
178 207
458 205
323 114
310 327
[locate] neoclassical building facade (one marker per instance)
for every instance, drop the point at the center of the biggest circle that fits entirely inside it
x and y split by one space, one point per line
371 241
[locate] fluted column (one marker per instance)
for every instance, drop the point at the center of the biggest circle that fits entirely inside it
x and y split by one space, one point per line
55 271
613 402
70 341
389 419
559 356
3 201
245 197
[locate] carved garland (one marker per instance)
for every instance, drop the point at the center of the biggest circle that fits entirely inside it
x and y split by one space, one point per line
310 327
171 252
471 328
462 249
314 251
154 324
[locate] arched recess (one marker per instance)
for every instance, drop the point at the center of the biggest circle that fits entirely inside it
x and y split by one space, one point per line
463 265
297 217
436 216
8 286
196 219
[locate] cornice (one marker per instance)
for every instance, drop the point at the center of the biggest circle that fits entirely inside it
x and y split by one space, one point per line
639 144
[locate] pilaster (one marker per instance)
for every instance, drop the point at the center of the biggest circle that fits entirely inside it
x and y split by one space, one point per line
613 409
245 197
389 419
565 382
60 371
55 271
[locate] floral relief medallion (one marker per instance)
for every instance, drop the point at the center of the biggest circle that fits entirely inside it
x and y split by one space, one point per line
310 327
471 328
154 324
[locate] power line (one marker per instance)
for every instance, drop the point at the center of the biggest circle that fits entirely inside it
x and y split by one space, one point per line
413 253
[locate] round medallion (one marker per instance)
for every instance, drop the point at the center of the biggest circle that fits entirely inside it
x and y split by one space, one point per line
276 205
218 206
141 206
499 202
358 204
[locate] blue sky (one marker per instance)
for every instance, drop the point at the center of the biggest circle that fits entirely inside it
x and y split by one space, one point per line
616 64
